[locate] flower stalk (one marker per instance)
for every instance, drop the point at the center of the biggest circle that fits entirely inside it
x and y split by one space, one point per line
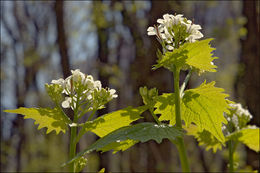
73 142
231 159
180 142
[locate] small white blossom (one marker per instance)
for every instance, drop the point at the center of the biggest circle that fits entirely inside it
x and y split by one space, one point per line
240 111
165 30
97 85
88 88
66 103
59 82
112 93
77 75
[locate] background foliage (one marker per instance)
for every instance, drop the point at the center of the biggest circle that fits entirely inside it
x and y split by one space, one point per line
43 40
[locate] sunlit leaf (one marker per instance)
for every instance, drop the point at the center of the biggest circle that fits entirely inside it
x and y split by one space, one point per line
204 138
101 170
140 132
197 55
115 120
203 106
249 136
52 119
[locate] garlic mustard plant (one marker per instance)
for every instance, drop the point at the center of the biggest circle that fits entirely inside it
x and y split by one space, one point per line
84 96
203 112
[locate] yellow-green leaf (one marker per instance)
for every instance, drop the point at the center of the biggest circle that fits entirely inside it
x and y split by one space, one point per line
204 138
115 120
203 106
249 136
52 119
197 55
200 55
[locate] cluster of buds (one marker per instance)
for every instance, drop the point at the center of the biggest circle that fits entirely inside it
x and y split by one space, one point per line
175 30
81 89
237 119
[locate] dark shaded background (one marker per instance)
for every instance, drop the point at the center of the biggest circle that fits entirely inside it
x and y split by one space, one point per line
41 41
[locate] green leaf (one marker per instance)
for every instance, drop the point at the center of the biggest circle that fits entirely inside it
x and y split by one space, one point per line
52 119
101 170
115 120
249 136
140 132
119 146
55 92
204 138
203 106
149 96
197 55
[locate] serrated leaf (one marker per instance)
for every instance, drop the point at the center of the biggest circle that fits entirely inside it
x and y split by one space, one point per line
52 119
204 138
119 146
140 132
101 170
115 120
203 106
249 136
197 55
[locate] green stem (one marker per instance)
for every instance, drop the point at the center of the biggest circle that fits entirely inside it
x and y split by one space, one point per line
154 116
180 142
83 130
231 153
186 80
73 143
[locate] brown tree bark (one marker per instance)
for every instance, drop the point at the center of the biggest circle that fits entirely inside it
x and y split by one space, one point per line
248 84
61 38
102 54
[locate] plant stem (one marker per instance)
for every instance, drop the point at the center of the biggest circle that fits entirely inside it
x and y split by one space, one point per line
231 160
180 142
154 116
73 143
185 83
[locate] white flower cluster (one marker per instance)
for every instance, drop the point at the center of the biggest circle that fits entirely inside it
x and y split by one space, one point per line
80 87
240 111
239 117
174 28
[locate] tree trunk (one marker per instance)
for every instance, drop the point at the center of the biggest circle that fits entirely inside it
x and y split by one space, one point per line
248 85
61 38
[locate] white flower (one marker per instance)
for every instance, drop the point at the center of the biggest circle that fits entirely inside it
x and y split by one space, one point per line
240 111
60 82
66 103
166 30
77 75
169 47
151 31
112 93
85 84
97 85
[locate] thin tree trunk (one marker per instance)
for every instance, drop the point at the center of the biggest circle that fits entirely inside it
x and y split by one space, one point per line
247 86
103 59
61 38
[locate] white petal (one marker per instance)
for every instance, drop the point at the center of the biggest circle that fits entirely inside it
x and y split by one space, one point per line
169 47
150 29
66 102
161 21
97 85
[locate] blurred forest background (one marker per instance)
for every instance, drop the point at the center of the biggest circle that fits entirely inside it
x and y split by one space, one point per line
44 40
